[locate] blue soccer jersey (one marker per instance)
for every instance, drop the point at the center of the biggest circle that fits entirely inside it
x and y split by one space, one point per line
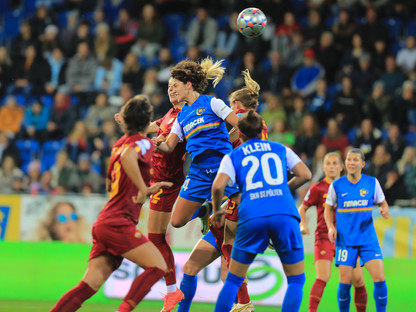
202 126
355 209
258 167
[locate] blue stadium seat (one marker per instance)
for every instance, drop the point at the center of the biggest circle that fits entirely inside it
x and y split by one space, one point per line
29 7
222 21
11 25
49 151
174 24
394 26
411 28
29 150
352 136
178 49
411 139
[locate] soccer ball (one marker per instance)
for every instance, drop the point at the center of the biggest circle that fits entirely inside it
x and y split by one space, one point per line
251 22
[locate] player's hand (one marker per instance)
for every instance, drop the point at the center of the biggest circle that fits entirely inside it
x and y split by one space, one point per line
140 198
157 141
157 186
218 218
332 234
384 211
304 228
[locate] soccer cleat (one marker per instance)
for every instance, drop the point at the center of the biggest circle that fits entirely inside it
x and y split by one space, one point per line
243 307
171 299
205 218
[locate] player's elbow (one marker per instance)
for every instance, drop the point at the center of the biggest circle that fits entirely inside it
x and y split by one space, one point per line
305 175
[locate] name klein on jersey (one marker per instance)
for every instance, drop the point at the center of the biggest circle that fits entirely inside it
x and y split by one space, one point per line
256 147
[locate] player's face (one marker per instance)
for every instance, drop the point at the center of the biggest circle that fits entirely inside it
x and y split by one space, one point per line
332 167
173 95
177 89
354 163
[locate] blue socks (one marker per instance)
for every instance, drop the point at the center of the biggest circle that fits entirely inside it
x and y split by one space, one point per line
188 287
344 297
294 293
228 292
380 296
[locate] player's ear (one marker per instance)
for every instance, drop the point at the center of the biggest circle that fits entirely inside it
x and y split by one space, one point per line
363 165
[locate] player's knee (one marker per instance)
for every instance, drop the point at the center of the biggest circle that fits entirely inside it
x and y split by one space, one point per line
358 281
378 278
190 268
177 223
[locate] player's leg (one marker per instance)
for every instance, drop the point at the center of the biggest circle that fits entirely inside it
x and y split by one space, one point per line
159 217
98 270
183 209
376 269
360 294
202 255
345 280
295 275
151 260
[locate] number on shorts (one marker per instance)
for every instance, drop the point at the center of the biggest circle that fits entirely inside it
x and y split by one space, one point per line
115 178
156 197
342 255
265 168
185 184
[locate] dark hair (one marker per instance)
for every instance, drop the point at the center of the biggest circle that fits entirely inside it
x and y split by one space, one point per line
251 125
357 151
137 113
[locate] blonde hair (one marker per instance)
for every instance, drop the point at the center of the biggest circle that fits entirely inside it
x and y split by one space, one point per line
213 70
247 95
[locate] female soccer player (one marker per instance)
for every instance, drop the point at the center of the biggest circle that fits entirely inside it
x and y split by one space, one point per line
267 209
324 250
207 250
353 197
114 232
166 168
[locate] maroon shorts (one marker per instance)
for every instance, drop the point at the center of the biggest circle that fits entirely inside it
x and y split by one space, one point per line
324 250
115 241
164 199
232 211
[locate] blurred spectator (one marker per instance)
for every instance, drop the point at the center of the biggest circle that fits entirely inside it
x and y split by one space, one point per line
24 39
49 41
308 139
44 186
394 143
124 31
350 57
283 36
317 163
346 108
228 39
165 62
8 172
61 170
160 103
327 55
40 21
36 119
193 54
273 111
313 30
319 103
84 175
104 45
363 77
368 138
406 57
280 133
77 141
31 74
5 70
82 35
250 62
334 139
378 56
202 31
108 76
62 117
11 117
378 107
305 78
98 113
293 53
69 32
58 66
276 76
392 77
343 29
407 168
18 186
133 72
298 111
33 176
372 29
380 164
8 149
150 84
405 107
150 36
126 93
98 17
394 187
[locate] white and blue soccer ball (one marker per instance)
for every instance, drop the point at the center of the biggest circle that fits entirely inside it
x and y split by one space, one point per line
251 22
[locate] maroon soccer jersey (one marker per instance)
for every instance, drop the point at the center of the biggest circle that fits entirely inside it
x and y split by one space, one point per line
316 196
169 167
120 209
264 135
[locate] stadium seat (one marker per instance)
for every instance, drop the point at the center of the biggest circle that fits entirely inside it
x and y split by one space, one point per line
174 23
49 151
178 49
394 26
29 150
352 136
411 139
411 28
11 25
29 7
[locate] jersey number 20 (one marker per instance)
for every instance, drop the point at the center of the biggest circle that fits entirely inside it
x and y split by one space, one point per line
265 168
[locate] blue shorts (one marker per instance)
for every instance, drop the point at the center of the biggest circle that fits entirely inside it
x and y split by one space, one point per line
198 182
209 237
253 238
347 255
